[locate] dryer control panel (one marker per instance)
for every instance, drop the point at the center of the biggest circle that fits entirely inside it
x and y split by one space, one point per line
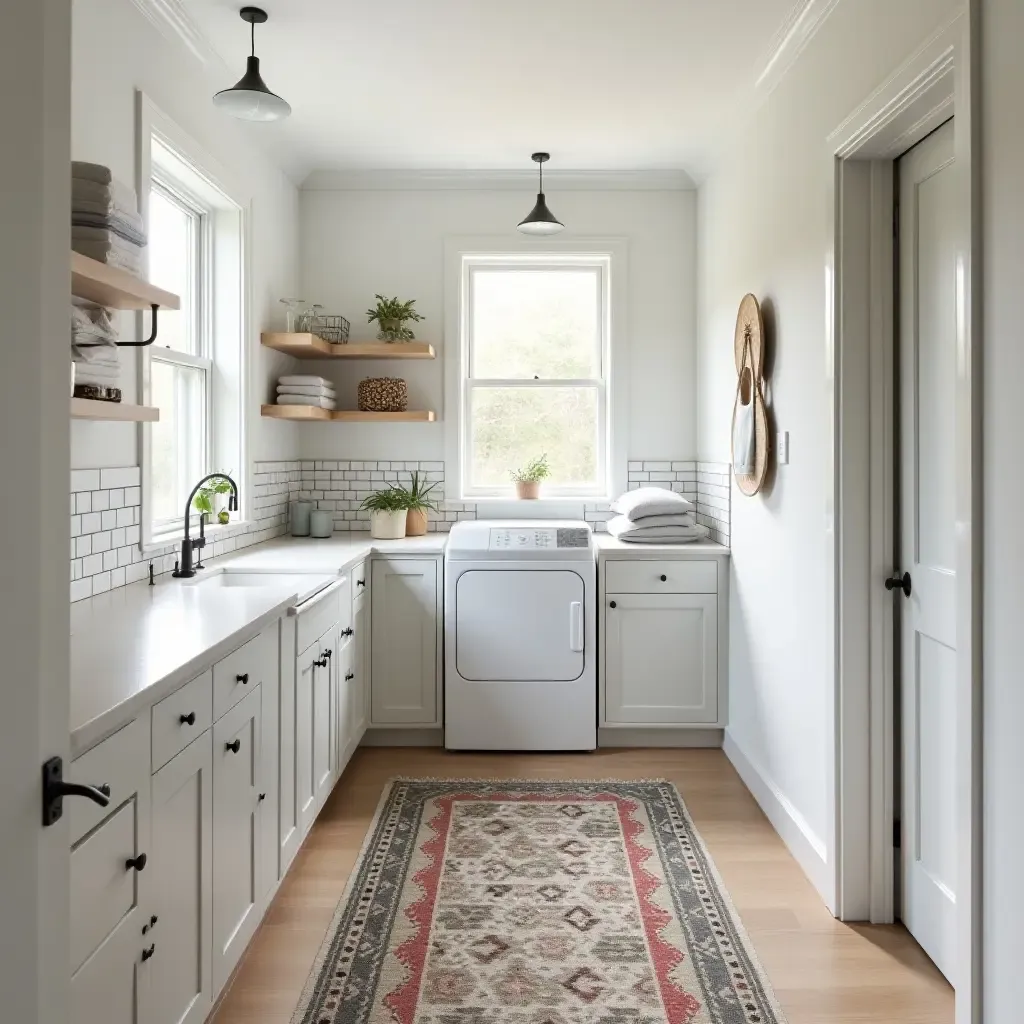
543 540
538 538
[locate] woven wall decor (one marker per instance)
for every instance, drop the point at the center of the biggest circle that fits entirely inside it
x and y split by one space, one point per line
383 394
748 348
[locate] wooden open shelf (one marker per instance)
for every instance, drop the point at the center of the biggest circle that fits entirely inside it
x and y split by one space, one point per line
117 412
309 346
309 413
116 288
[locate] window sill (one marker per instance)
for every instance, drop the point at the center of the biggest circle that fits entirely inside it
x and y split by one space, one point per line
158 543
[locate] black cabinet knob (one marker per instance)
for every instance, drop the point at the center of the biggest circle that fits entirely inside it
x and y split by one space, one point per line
347 632
234 746
360 583
663 578
243 678
149 924
898 582
611 604
189 719
349 675
328 653
147 953
320 662
138 863
263 796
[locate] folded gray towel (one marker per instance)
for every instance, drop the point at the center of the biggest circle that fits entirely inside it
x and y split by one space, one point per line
122 224
114 196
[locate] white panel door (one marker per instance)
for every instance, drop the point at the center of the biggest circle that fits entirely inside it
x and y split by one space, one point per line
305 787
237 902
289 826
519 625
111 986
661 659
404 648
325 725
359 688
927 246
182 864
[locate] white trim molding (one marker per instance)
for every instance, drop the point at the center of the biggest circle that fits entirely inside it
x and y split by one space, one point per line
173 21
412 180
793 37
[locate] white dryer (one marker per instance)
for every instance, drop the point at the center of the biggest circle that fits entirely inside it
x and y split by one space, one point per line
520 636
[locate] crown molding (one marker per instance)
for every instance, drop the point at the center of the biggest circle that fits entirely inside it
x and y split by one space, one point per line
172 20
499 181
795 33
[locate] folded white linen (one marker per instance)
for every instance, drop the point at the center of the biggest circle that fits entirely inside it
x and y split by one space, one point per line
91 172
126 225
113 194
650 501
110 256
322 403
305 379
682 519
306 389
626 530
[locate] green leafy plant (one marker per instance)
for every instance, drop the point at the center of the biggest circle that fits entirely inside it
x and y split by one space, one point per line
391 499
417 494
203 501
392 316
533 472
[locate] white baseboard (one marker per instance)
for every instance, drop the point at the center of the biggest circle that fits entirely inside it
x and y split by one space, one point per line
809 849
668 738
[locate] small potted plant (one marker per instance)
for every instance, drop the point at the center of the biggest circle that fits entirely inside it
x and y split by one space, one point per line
528 478
417 504
391 317
388 511
209 499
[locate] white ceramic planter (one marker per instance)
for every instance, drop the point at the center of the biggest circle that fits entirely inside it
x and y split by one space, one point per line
387 525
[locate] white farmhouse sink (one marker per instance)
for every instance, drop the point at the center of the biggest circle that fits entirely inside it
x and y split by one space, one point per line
303 584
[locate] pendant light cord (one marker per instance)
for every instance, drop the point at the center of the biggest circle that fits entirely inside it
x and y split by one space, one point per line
252 36
540 167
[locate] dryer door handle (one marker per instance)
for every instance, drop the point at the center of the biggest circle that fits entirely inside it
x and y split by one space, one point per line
576 626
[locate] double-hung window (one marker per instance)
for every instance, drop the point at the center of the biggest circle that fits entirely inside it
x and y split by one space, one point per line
534 374
181 360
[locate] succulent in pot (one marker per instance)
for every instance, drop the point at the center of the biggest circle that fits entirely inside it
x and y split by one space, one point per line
528 478
417 504
388 511
391 317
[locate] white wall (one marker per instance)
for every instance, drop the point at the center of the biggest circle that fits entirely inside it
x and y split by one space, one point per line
116 50
763 224
1003 356
357 242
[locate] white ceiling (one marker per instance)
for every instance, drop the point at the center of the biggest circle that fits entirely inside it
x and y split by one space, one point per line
480 84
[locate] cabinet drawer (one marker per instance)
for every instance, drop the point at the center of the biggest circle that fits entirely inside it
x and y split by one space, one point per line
317 616
660 576
122 762
242 671
180 718
103 889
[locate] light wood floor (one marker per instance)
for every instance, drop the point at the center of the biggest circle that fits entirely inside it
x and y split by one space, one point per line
823 972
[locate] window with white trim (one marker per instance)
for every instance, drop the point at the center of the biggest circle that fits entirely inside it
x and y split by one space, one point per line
535 360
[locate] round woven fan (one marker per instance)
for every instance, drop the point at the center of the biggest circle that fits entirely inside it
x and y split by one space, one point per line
749 352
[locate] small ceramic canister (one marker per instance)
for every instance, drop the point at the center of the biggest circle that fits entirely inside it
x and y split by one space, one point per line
300 518
321 523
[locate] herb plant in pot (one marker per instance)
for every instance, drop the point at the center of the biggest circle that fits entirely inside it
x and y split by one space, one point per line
528 478
417 503
391 317
210 499
388 509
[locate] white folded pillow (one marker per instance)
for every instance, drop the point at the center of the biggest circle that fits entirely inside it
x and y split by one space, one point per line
318 401
650 501
305 389
627 530
307 379
682 519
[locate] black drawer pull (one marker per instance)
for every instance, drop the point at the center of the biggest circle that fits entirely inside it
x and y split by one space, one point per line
360 583
189 719
138 863
263 796
234 746
347 632
150 924
147 953
611 604
243 678
663 578
349 675
328 653
320 662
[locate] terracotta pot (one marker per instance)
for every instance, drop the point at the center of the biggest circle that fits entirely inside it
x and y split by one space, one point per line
416 522
528 489
387 525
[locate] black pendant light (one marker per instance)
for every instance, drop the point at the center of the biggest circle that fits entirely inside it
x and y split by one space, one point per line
540 220
249 98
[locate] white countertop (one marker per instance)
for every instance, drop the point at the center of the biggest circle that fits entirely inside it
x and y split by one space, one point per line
333 555
608 545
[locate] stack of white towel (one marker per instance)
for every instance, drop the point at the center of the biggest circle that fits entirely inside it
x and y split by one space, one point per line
105 221
94 345
305 389
652 515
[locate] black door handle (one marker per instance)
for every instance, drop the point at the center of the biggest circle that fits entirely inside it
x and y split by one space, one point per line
138 863
234 746
349 675
347 632
55 789
320 662
147 953
150 924
360 583
903 583
243 678
189 719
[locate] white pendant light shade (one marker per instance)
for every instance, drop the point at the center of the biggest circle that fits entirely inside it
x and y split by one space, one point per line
249 98
540 220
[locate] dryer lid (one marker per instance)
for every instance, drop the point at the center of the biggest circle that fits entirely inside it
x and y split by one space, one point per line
558 540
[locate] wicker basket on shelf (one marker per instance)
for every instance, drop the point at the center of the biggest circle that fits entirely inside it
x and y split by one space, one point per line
383 394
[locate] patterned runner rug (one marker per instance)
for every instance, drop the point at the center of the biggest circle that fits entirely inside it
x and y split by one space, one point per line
501 902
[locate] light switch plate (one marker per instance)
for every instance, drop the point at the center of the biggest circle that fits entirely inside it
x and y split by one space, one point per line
782 447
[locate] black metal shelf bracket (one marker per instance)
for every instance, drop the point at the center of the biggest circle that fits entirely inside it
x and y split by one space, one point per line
152 333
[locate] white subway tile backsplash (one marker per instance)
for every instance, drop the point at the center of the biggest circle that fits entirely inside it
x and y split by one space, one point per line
125 476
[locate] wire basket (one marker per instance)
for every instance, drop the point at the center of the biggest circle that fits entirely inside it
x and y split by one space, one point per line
333 329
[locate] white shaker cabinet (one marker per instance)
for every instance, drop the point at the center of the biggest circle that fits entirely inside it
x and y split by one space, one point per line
359 692
325 724
180 983
406 644
111 986
306 665
237 774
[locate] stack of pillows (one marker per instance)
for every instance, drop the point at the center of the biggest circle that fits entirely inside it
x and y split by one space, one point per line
652 515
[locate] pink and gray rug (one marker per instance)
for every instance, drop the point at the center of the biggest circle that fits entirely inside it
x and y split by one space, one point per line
500 902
